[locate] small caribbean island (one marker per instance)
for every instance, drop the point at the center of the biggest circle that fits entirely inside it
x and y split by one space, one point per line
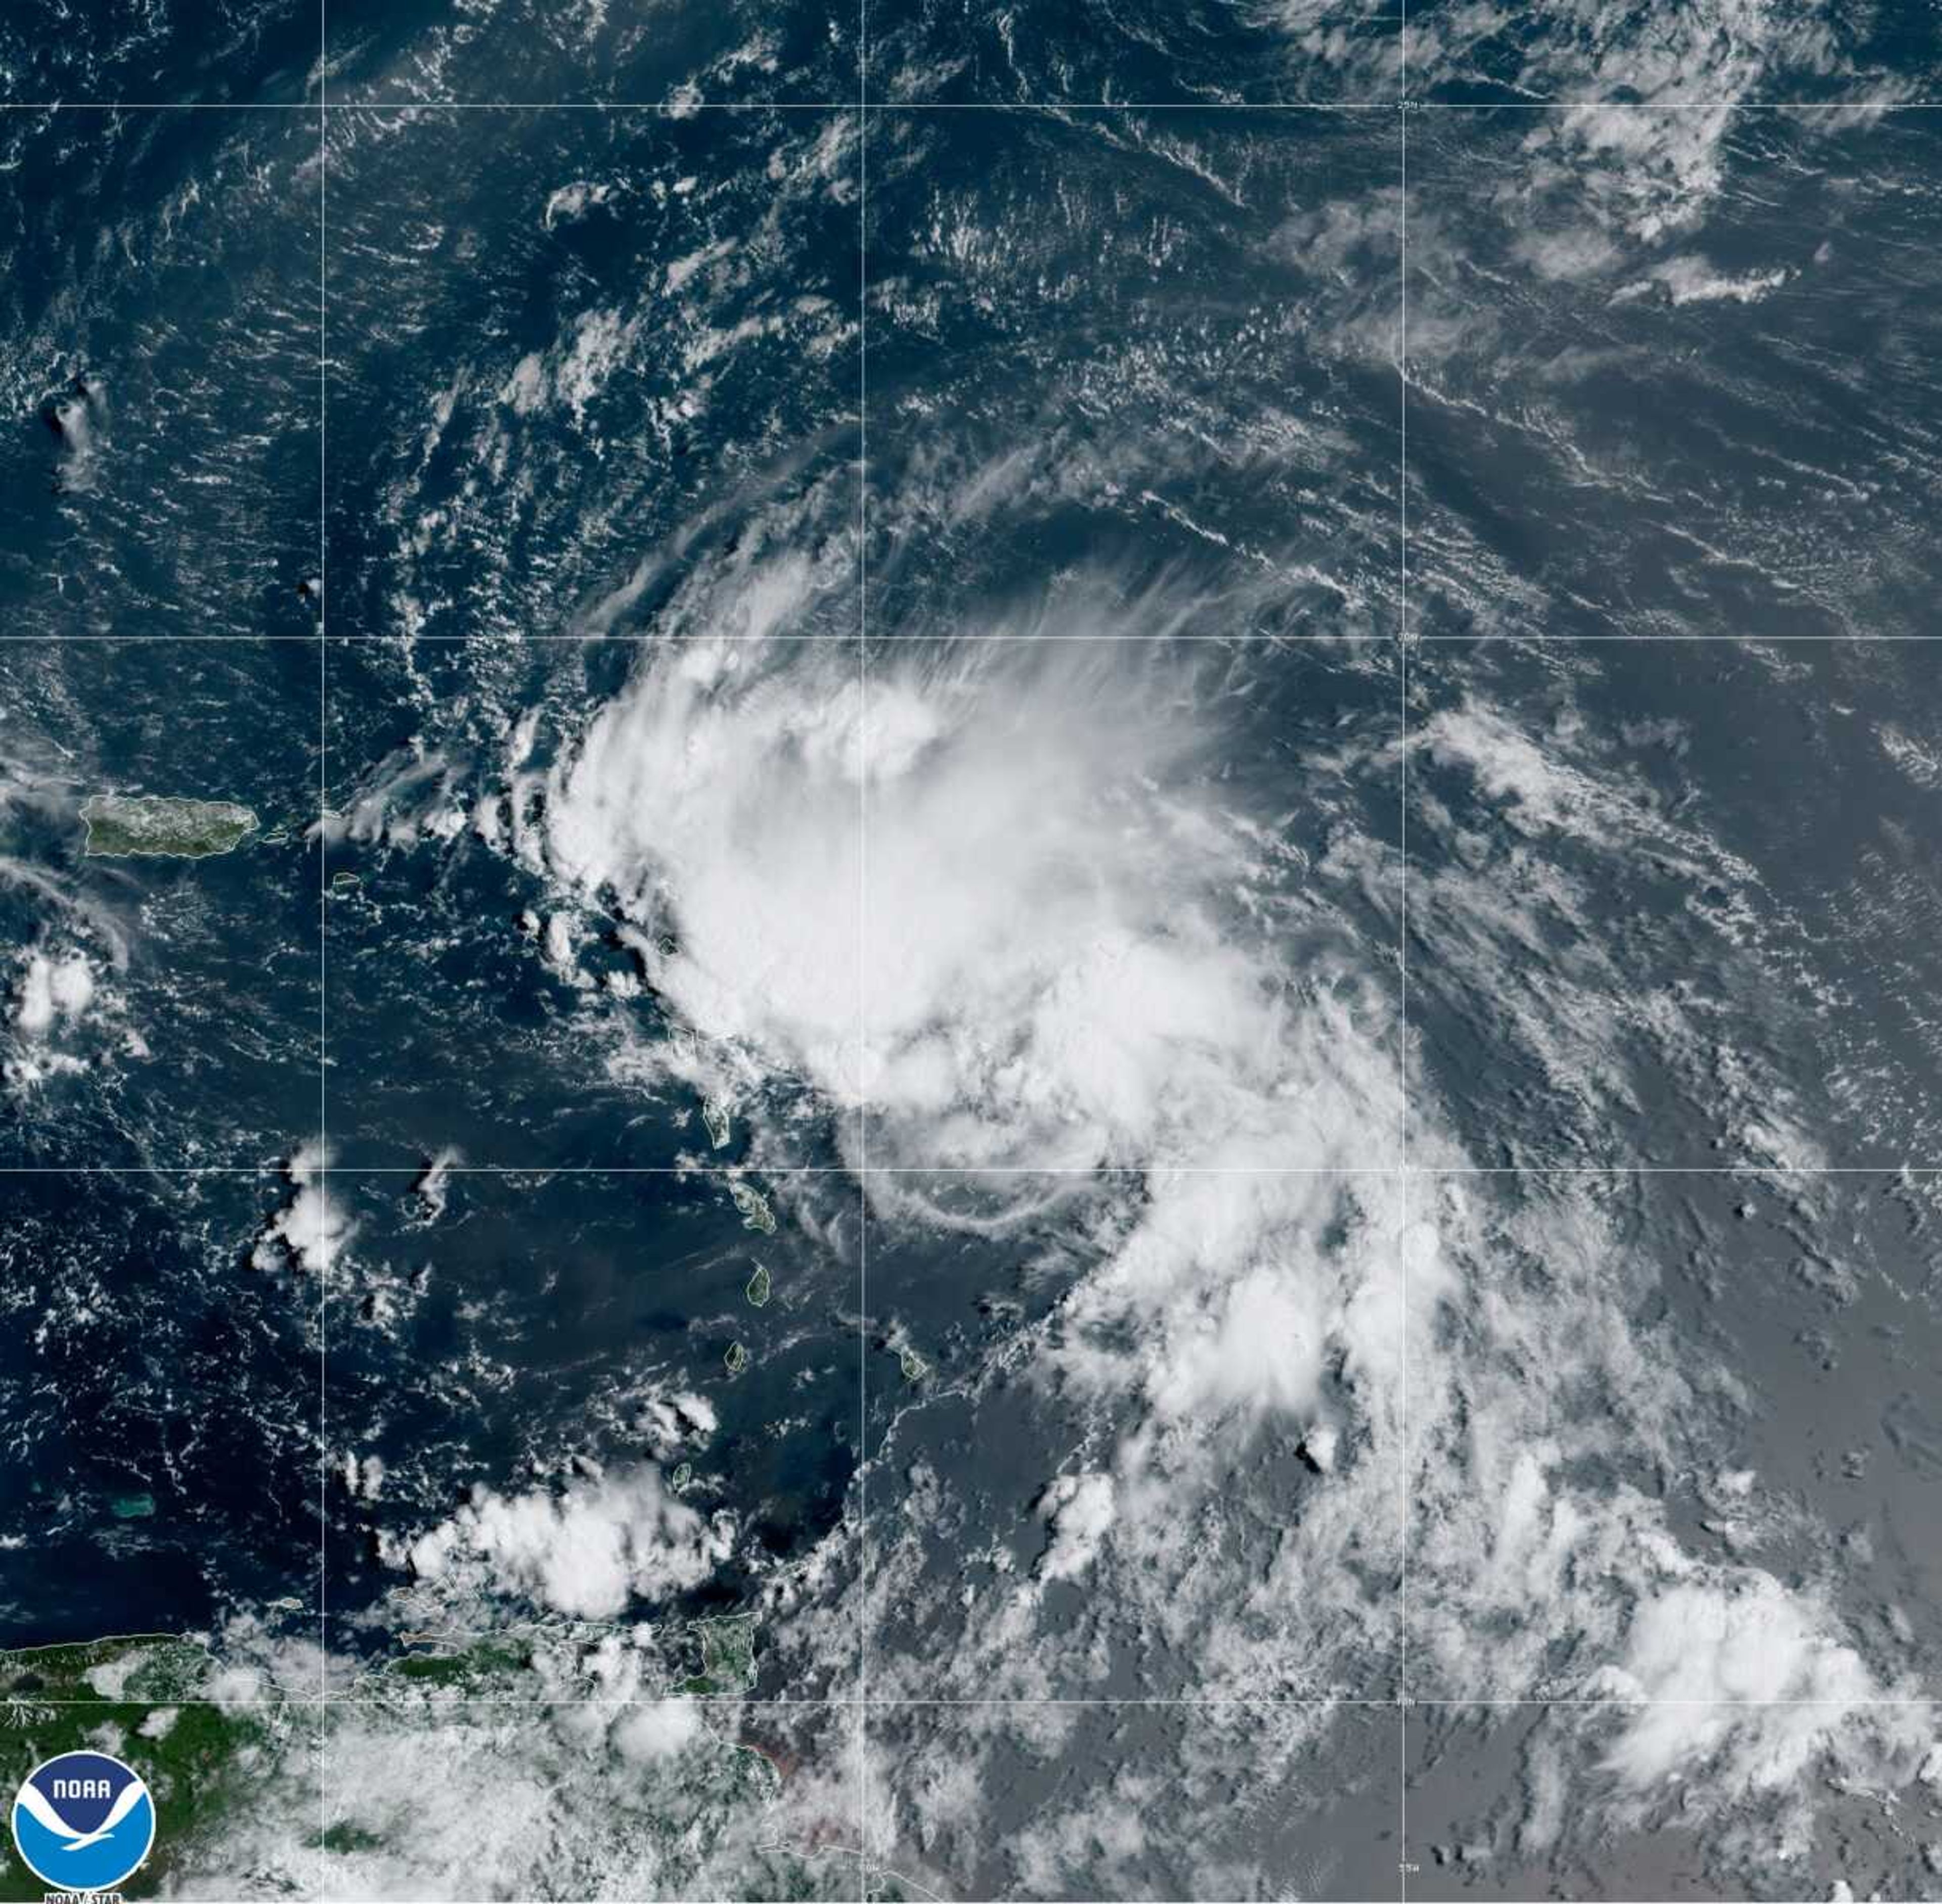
120 825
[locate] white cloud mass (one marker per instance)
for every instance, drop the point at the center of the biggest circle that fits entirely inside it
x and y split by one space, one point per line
588 1551
309 1227
52 990
1023 901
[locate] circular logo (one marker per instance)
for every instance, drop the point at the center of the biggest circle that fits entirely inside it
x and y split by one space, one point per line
83 1822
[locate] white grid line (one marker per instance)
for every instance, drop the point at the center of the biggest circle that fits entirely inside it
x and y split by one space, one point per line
323 937
848 1703
1435 1173
687 109
1402 955
863 1885
1535 643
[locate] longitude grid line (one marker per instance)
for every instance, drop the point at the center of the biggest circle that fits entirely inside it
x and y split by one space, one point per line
1402 943
862 1716
324 1280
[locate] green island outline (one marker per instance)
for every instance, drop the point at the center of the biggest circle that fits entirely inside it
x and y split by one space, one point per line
122 826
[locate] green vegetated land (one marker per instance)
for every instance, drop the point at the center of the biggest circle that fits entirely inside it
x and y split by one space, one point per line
218 1743
484 1667
144 1700
120 825
727 1654
715 1654
756 1214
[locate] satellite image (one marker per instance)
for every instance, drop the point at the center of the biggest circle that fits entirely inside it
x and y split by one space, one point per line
971 949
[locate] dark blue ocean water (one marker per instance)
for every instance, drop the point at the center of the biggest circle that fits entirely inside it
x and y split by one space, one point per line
1517 507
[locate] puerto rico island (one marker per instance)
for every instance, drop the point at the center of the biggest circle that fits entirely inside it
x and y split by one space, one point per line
120 825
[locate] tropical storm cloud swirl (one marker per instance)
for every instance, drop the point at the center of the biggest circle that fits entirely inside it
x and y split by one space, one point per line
978 952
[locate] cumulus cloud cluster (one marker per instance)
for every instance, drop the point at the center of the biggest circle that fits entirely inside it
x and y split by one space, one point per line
1080 1508
309 1227
1075 955
52 990
56 994
589 1551
1000 892
1023 902
661 1797
723 794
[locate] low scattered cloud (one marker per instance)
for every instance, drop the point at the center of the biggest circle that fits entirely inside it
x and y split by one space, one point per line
308 1228
1080 1508
590 1550
53 991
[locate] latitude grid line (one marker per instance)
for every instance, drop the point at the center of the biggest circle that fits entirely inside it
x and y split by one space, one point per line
686 107
1278 640
810 636
272 1167
1537 644
863 107
1247 1702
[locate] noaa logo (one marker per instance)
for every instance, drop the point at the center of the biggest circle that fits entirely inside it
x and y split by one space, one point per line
83 1822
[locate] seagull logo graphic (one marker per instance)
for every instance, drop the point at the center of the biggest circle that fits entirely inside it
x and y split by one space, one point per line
83 1822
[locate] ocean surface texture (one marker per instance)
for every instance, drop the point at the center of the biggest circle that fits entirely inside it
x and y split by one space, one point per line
970 950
